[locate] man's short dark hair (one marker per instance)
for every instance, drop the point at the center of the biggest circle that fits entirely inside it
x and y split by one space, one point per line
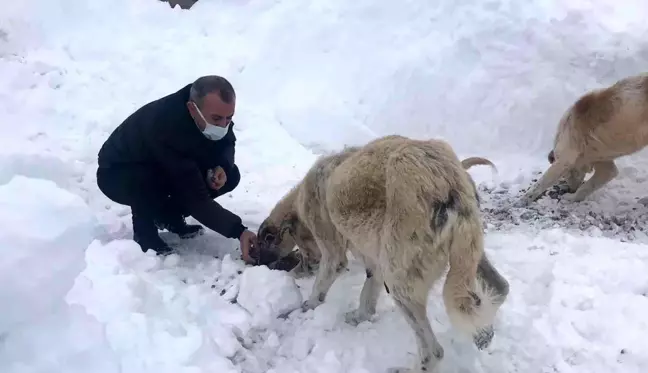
210 84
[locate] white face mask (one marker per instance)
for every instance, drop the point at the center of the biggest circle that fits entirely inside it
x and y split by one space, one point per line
211 131
215 132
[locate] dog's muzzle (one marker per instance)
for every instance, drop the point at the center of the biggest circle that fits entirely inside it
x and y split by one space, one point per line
264 254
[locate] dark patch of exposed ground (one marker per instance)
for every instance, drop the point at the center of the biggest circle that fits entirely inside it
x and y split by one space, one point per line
626 221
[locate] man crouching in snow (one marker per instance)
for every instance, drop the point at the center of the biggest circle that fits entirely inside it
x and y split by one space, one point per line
170 159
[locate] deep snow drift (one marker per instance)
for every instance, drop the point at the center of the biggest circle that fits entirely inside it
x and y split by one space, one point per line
492 77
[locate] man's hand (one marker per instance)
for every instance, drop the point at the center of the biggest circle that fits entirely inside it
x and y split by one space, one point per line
218 178
248 239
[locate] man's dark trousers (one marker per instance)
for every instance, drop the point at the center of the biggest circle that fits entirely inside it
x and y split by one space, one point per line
147 191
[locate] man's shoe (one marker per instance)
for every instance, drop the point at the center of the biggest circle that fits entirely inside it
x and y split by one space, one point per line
156 243
179 226
145 233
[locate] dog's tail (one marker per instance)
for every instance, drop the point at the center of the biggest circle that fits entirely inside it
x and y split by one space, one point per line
428 196
473 161
470 301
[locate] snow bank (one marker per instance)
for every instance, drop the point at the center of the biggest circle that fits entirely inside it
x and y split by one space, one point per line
492 77
43 233
171 315
66 339
156 317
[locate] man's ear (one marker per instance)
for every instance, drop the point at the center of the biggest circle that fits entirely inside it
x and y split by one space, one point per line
288 224
191 106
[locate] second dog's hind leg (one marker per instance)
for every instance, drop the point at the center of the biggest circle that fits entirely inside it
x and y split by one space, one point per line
604 172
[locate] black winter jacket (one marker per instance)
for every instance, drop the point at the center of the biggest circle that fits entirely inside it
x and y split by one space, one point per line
163 134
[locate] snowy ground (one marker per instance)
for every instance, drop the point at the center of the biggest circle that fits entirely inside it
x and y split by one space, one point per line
492 77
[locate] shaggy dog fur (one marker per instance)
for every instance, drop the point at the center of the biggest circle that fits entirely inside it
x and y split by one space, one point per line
307 253
599 127
406 208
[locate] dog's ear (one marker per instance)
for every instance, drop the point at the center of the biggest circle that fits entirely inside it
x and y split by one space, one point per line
550 157
267 233
288 225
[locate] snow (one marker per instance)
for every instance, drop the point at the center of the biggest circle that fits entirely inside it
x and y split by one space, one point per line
41 224
268 294
491 77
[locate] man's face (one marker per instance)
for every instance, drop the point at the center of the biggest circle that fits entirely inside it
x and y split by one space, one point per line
214 110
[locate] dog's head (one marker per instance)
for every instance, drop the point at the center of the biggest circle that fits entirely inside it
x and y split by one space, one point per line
275 239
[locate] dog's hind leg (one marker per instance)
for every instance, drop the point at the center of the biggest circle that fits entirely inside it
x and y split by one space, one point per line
411 299
604 172
368 297
327 272
409 273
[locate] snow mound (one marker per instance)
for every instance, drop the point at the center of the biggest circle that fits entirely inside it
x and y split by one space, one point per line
66 340
172 315
267 293
43 233
490 77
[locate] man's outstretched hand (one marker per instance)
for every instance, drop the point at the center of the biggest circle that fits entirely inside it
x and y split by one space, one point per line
248 240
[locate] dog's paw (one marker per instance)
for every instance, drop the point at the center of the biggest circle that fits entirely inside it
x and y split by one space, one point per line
356 317
573 197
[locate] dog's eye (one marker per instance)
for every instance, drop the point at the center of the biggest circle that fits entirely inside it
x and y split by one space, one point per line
269 237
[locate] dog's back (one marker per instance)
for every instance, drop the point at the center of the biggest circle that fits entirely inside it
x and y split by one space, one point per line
606 123
599 127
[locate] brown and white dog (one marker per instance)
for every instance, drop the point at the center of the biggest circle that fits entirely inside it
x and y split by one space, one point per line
407 209
599 127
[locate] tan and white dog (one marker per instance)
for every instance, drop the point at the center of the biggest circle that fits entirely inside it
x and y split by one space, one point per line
406 208
599 127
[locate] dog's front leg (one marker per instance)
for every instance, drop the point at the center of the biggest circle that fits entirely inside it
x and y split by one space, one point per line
368 298
550 177
575 178
326 275
303 269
